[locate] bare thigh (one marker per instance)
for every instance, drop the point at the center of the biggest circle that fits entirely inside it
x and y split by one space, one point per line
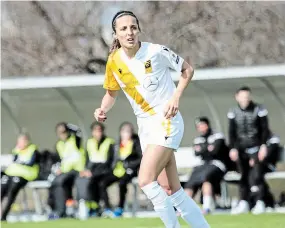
154 160
168 178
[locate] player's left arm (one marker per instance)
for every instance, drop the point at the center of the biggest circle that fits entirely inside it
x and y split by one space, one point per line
175 62
263 125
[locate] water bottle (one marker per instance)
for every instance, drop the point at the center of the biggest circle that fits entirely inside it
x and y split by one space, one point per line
82 210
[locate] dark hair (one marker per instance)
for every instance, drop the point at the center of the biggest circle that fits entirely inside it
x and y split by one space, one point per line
61 124
116 44
243 88
97 124
203 119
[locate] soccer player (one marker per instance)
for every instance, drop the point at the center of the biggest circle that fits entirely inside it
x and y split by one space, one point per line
142 70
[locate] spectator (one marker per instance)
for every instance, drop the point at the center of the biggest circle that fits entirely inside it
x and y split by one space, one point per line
127 158
24 168
211 147
248 133
72 160
260 165
100 157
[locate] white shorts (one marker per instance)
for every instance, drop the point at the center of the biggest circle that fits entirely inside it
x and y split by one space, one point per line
157 130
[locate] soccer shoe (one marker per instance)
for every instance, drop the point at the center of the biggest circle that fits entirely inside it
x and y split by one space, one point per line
108 213
206 211
118 212
242 207
259 208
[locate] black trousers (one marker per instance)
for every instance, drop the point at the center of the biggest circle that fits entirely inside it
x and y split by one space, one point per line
61 191
252 183
88 188
10 187
205 173
123 182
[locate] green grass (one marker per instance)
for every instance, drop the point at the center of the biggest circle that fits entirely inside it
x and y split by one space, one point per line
216 221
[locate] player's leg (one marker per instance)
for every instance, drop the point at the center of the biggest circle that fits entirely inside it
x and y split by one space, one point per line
184 204
154 160
195 181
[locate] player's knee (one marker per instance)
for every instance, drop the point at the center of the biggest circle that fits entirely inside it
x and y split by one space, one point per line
167 188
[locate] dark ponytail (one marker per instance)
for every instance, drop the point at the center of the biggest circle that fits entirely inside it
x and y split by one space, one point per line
115 45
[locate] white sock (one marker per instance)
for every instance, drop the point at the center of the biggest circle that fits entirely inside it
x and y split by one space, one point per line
162 204
188 209
207 202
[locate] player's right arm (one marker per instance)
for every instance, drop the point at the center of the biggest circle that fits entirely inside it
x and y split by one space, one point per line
108 101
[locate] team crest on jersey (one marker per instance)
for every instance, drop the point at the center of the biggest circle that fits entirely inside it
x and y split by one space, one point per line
148 67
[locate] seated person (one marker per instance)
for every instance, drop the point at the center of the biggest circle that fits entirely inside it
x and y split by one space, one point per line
23 169
72 160
100 153
264 161
211 147
127 158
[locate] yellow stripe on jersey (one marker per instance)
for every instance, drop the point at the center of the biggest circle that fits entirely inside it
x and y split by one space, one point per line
110 82
130 81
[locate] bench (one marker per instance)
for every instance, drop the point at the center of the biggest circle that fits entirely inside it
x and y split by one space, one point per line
185 160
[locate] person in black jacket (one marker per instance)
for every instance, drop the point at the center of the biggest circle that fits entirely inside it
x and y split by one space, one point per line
25 168
211 147
127 158
100 152
260 165
248 134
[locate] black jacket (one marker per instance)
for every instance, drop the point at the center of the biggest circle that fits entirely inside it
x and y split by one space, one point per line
248 127
133 161
220 149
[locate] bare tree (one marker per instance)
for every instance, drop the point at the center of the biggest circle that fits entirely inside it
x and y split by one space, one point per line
48 38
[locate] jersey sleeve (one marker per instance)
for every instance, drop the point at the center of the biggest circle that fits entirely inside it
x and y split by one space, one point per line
171 59
110 82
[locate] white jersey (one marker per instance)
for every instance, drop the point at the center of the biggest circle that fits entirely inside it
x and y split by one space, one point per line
145 79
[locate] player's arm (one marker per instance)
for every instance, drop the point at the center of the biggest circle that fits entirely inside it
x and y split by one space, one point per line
171 60
112 87
263 124
232 130
186 76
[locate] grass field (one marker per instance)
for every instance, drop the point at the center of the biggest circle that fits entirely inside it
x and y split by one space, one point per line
216 221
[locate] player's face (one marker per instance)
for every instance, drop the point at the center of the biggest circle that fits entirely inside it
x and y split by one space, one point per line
202 127
127 31
243 98
22 142
126 132
97 133
61 133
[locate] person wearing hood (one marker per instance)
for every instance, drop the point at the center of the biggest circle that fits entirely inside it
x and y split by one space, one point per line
212 149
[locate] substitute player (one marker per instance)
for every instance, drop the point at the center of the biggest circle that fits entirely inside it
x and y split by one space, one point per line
142 70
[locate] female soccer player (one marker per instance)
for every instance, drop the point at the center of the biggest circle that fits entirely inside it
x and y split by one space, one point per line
142 70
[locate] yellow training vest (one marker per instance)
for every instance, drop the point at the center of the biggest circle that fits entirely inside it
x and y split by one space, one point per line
29 173
71 157
98 155
124 152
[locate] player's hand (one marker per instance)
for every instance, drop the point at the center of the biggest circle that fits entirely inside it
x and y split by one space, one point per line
171 108
262 153
251 162
100 115
211 148
234 154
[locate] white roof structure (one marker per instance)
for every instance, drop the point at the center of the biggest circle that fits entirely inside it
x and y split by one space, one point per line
39 103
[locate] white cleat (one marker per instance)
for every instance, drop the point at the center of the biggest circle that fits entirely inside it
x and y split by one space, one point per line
259 208
241 208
